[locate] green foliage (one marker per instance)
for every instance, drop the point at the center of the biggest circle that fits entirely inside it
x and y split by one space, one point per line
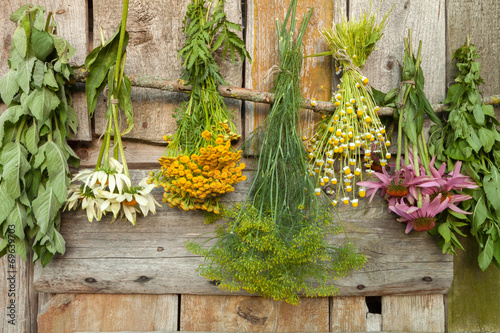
275 243
207 30
34 155
471 136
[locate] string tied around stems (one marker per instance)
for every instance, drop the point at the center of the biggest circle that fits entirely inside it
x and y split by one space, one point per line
342 55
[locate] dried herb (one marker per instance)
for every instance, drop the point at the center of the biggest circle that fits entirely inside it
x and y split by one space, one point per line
108 189
349 135
470 136
274 244
34 154
200 164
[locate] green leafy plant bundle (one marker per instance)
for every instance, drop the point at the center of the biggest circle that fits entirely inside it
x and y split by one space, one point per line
205 128
109 189
34 154
471 136
274 244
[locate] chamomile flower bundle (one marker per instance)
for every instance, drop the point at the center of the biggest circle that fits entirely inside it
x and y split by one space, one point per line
349 138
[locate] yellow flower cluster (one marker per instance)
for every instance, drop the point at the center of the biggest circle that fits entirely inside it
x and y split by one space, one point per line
197 181
348 139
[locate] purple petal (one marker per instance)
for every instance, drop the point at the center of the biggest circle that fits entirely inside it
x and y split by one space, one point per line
456 209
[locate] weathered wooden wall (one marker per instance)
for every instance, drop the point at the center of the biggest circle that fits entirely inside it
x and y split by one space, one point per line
154 26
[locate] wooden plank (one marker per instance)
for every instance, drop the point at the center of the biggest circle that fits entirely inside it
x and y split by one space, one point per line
69 312
416 313
474 299
252 314
17 297
71 18
117 256
348 314
155 37
262 43
427 19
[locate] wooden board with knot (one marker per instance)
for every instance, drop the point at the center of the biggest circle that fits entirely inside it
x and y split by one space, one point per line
151 258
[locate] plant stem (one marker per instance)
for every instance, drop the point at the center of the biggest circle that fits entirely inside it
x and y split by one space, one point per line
107 141
120 43
47 23
103 146
118 139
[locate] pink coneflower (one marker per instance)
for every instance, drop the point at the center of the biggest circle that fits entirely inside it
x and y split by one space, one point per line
402 183
420 219
444 185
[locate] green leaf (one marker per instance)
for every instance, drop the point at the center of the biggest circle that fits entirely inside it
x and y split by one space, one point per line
38 73
42 44
479 114
445 232
59 242
32 138
17 218
45 209
19 13
21 247
15 167
6 203
488 110
45 258
41 102
20 41
486 255
49 79
98 69
9 86
64 49
454 94
481 213
491 186
125 102
487 137
474 141
24 70
496 251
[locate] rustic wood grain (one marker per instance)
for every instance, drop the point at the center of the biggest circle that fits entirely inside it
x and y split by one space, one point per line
17 293
348 314
262 43
69 312
71 18
118 255
416 313
155 29
427 20
252 314
474 299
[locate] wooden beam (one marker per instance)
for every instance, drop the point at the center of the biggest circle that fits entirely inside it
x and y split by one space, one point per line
252 95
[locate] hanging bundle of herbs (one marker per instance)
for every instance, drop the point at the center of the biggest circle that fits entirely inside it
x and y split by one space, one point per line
349 136
274 243
470 138
418 192
200 164
34 155
109 188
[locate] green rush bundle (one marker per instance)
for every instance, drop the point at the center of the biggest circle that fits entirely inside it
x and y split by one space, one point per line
352 135
274 243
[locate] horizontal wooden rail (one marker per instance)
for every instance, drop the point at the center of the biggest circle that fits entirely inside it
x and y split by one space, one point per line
252 95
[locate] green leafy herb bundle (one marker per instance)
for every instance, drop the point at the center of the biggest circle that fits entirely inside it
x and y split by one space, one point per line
410 104
470 135
205 128
274 244
34 154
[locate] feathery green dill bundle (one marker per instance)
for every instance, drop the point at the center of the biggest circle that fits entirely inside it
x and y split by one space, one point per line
275 244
